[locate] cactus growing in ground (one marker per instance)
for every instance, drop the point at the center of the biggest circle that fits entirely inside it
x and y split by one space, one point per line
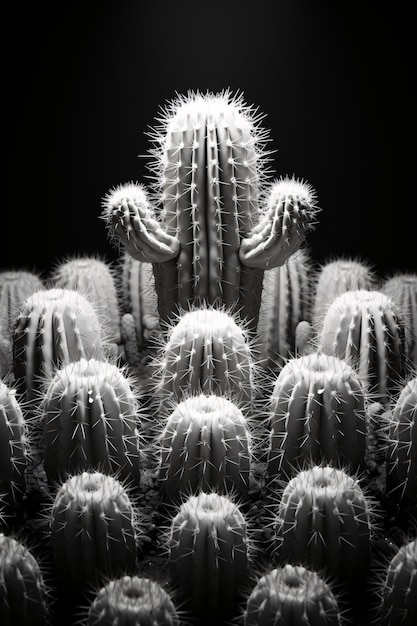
90 417
399 591
402 289
92 530
54 327
402 456
132 601
290 596
285 302
317 415
324 523
13 451
207 351
208 240
366 329
209 554
23 595
205 446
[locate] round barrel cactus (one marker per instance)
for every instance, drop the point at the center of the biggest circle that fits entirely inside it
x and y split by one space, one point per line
23 596
90 419
92 530
399 591
366 329
13 451
132 601
289 596
207 351
209 554
402 289
54 327
324 523
205 446
207 238
317 416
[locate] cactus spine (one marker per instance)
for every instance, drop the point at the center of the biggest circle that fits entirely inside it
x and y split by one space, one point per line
402 289
290 596
205 446
132 601
23 598
208 553
317 415
400 588
324 523
92 530
90 417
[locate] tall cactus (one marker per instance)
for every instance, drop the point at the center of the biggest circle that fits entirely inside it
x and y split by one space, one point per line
208 240
399 591
205 446
402 289
54 327
290 596
317 415
366 329
90 417
209 554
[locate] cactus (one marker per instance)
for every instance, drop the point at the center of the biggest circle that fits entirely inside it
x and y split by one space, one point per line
54 327
317 415
338 276
208 240
92 530
209 554
95 279
23 595
324 523
90 415
402 456
205 446
399 591
13 451
132 601
367 330
285 302
402 289
290 596
207 352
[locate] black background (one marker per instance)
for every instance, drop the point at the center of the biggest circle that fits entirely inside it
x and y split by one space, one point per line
83 81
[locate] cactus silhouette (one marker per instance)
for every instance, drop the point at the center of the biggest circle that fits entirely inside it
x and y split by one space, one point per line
399 591
290 596
205 446
208 239
402 289
90 417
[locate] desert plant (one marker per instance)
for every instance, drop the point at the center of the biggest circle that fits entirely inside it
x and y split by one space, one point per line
90 415
23 594
289 596
208 240
402 289
399 591
209 554
366 329
92 530
54 327
317 415
205 446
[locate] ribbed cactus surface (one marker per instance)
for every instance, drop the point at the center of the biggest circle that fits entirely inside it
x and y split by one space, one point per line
290 596
205 446
15 287
402 289
399 591
90 417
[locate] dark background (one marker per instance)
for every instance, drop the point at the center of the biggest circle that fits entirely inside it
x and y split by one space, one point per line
82 83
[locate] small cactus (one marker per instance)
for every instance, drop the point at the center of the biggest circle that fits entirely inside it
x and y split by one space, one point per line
92 530
399 591
317 415
54 327
15 287
23 595
324 523
366 329
290 596
90 415
205 446
402 289
132 601
209 554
